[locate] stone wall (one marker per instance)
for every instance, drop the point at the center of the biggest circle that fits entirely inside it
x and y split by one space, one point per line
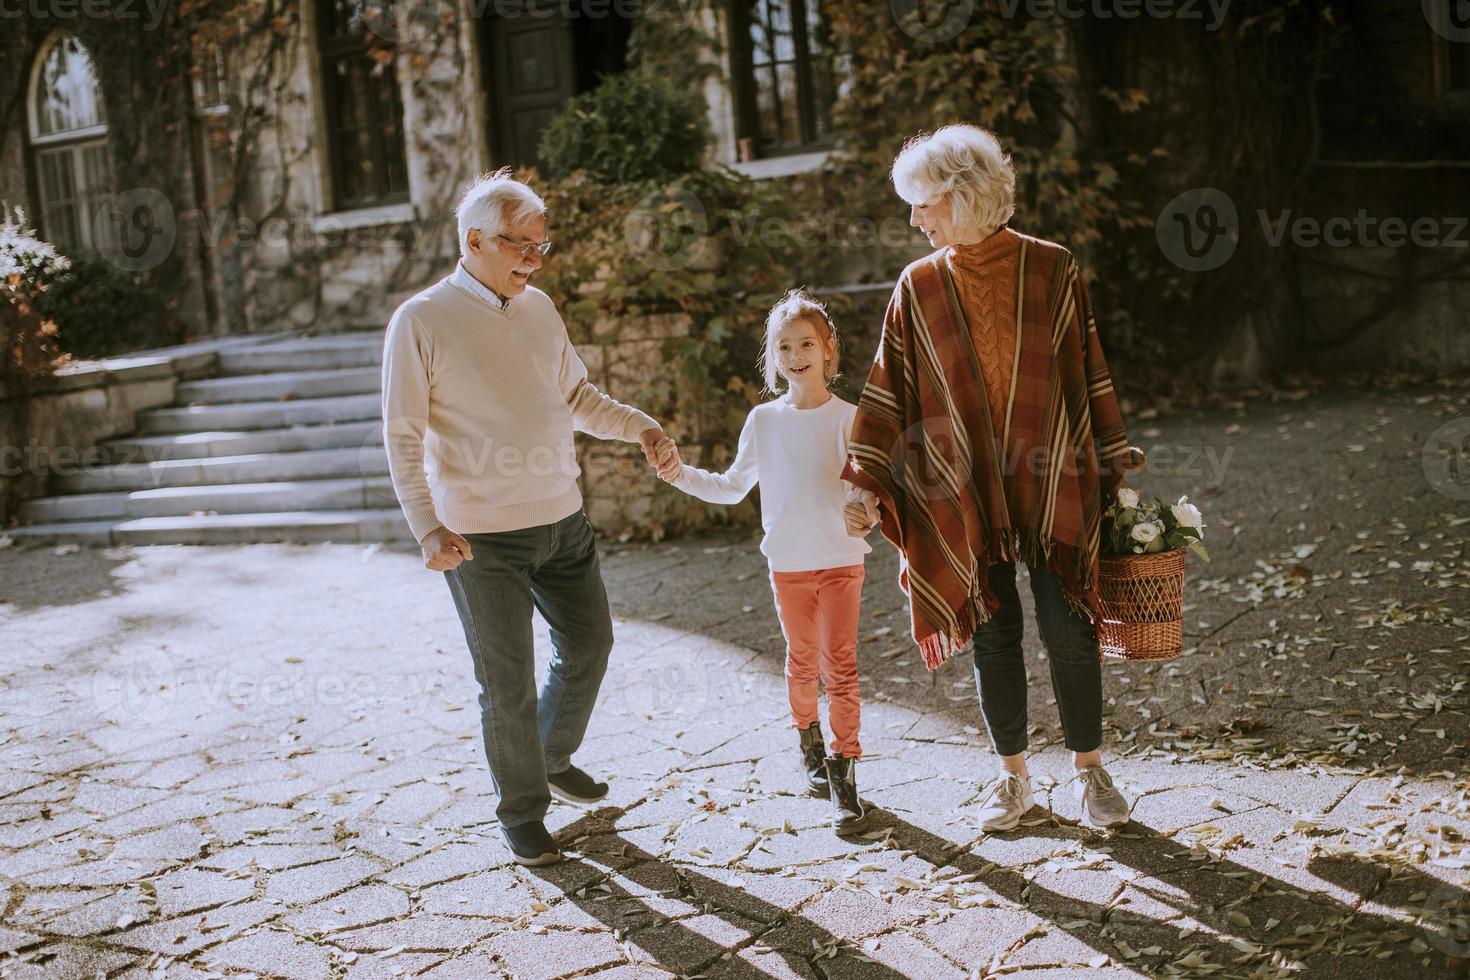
69 414
622 357
338 269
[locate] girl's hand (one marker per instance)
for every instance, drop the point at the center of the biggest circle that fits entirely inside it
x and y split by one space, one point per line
861 517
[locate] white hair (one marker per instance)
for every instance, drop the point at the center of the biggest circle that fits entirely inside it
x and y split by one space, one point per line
494 201
963 164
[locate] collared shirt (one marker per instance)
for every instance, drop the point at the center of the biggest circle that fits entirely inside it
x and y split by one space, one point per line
462 278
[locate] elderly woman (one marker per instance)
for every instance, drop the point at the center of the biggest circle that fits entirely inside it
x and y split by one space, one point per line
975 432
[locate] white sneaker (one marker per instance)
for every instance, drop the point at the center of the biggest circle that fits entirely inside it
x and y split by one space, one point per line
1007 803
1102 805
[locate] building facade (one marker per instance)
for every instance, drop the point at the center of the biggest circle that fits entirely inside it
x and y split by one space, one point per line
326 152
295 163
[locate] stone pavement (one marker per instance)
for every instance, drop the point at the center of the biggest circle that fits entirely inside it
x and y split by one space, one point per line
265 760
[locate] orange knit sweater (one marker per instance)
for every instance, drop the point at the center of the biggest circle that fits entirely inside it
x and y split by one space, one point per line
986 285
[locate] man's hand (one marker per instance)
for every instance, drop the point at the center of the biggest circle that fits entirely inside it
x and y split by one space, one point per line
662 453
861 516
444 550
670 469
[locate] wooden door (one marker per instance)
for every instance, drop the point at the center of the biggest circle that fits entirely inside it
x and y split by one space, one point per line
531 75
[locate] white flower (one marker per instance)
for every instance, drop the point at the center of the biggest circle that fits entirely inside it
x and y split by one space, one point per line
1144 533
1127 497
23 254
1187 514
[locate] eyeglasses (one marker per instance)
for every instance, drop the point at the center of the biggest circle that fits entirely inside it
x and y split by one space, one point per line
526 248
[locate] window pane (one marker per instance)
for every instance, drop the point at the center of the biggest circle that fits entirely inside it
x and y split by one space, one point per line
391 150
773 57
58 199
778 24
760 41
820 73
768 111
96 184
789 133
353 142
67 96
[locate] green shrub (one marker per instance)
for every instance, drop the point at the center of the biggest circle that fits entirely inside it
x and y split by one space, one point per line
635 126
100 311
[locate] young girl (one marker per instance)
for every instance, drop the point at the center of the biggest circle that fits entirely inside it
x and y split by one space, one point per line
795 447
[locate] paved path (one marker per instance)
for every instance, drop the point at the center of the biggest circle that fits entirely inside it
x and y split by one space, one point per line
265 760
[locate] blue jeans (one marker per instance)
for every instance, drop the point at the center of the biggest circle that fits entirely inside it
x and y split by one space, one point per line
553 568
1071 652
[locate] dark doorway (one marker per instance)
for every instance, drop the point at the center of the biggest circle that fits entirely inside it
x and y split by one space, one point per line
537 55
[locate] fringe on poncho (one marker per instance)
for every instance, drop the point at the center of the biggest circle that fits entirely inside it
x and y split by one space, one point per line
959 490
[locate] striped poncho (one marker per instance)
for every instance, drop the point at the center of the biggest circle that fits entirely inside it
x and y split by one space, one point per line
976 463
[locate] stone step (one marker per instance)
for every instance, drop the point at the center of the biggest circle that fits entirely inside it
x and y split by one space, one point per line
282 384
354 350
199 445
260 415
319 464
382 525
244 498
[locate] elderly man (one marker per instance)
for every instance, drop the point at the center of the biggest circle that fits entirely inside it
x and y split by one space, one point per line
481 381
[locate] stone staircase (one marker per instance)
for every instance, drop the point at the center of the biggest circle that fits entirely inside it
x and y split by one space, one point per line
283 444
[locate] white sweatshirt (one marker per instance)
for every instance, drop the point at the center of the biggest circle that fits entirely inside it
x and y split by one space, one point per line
479 403
797 456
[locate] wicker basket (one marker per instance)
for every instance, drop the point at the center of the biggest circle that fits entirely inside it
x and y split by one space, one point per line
1142 606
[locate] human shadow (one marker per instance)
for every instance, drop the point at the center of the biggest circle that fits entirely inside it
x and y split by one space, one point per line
1440 910
1170 878
38 577
753 927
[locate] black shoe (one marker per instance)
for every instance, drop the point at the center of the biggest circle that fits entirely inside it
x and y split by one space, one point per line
848 815
814 758
575 786
530 844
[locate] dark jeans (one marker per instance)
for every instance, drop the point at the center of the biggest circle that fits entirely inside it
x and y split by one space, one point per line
553 568
1071 652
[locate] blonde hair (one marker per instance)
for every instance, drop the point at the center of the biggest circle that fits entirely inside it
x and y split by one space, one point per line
963 164
797 304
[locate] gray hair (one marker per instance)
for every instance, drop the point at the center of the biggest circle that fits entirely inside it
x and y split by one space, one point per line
797 304
963 164
494 201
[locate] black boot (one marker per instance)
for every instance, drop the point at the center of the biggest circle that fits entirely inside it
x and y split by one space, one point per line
813 758
848 814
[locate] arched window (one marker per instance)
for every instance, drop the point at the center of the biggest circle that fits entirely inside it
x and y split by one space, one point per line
69 142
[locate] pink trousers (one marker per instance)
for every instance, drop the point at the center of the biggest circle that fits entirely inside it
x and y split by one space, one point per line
819 617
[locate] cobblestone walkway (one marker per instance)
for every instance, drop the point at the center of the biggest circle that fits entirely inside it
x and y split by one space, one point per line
266 760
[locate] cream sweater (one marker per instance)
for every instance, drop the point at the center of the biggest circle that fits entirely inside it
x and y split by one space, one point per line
480 401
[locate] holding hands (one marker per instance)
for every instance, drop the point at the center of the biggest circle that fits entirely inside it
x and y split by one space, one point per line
662 454
861 515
